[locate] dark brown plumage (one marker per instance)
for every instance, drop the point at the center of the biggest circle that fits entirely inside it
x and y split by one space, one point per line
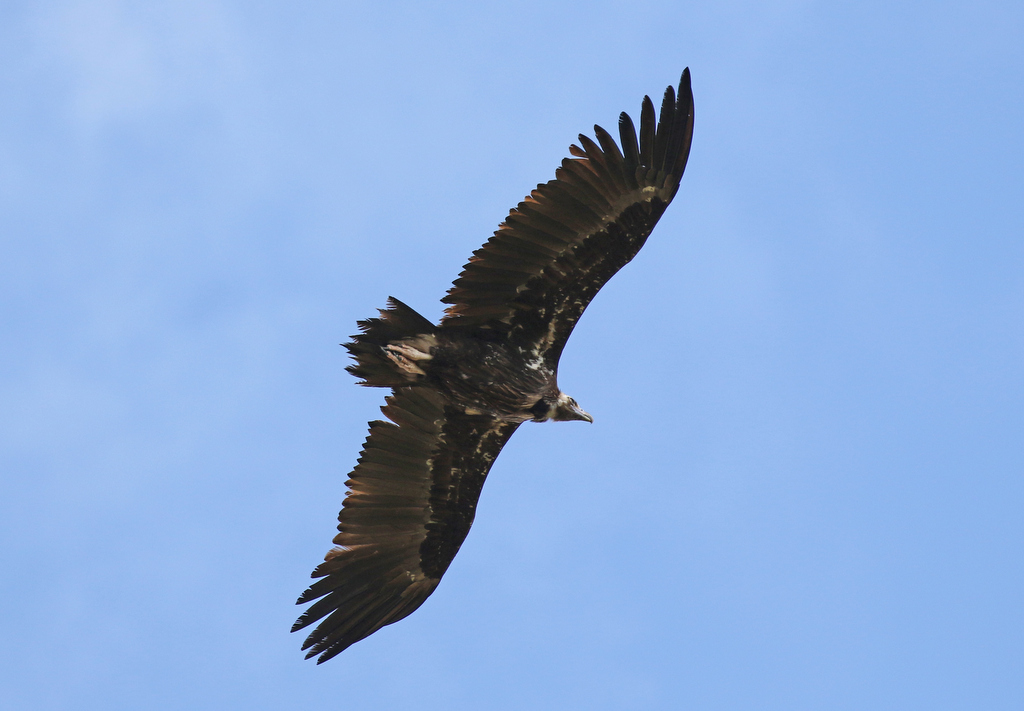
461 388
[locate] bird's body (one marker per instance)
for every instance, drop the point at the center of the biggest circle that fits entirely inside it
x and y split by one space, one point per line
494 379
462 387
477 373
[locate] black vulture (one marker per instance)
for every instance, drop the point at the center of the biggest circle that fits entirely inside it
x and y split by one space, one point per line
462 387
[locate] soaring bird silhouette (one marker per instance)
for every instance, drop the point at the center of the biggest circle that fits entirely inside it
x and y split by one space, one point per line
462 387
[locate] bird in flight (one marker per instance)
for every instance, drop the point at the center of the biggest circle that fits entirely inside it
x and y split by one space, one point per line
461 388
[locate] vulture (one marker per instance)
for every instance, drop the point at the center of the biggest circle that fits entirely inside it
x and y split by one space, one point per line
459 389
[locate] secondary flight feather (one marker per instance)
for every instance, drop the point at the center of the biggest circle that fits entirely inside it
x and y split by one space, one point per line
462 387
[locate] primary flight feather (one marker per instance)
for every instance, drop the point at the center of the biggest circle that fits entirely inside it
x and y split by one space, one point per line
462 387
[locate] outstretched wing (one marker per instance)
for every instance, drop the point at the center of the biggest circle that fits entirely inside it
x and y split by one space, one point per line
554 252
412 498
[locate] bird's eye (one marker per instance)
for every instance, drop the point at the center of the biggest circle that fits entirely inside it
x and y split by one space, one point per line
572 402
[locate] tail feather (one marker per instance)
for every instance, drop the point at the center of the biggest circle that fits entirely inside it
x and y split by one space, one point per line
383 348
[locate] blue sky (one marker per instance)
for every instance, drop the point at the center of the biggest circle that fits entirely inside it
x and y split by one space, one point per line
804 485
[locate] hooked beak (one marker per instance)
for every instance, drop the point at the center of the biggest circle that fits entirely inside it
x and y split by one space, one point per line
581 415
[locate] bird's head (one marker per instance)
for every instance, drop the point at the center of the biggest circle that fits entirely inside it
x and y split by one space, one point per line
565 408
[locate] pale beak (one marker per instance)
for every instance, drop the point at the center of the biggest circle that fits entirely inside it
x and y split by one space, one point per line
581 415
